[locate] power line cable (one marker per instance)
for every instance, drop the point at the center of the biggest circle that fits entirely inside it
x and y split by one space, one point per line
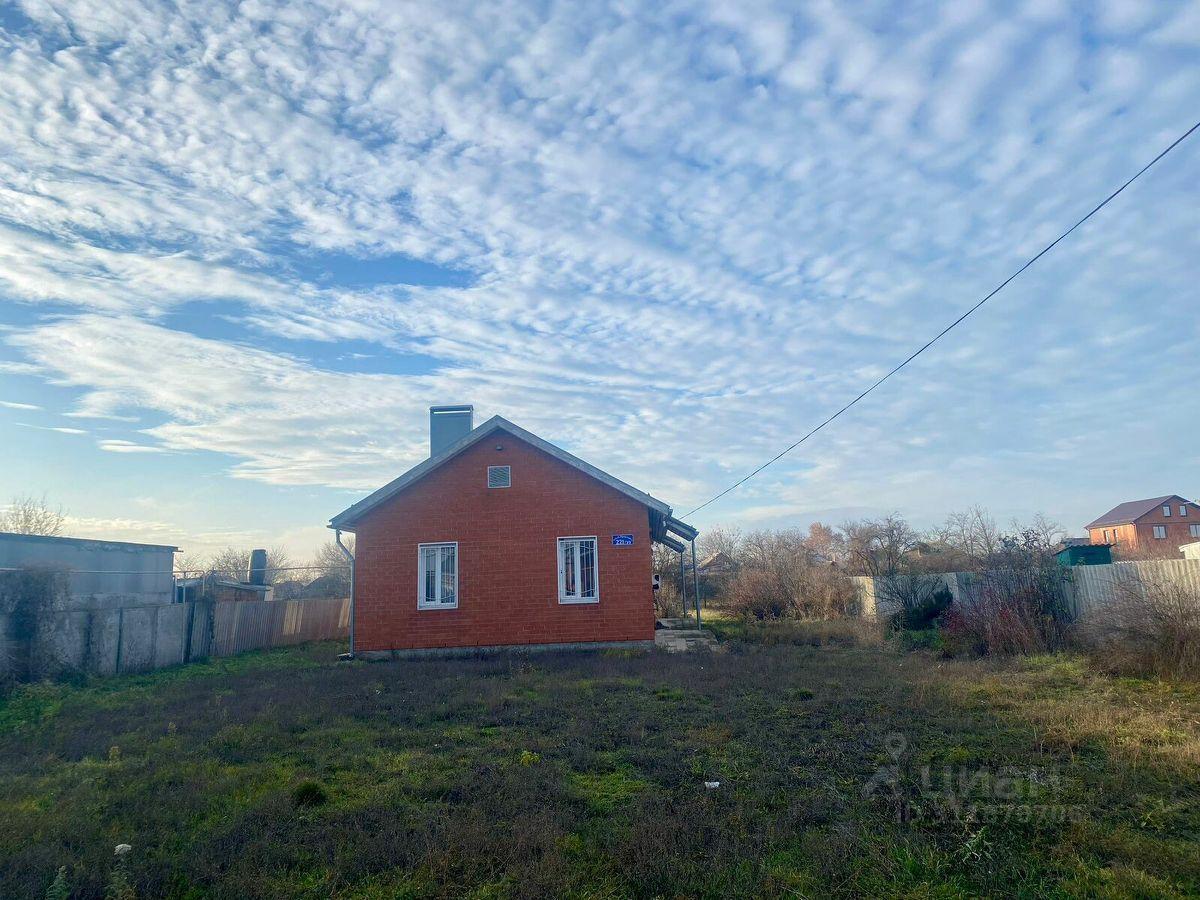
1103 203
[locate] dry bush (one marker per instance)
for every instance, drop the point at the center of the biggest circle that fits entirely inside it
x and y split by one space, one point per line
1016 611
914 602
1149 628
791 588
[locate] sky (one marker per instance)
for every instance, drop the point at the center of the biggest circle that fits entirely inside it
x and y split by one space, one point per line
245 246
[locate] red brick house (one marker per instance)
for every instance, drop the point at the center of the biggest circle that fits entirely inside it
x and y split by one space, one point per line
1160 523
502 539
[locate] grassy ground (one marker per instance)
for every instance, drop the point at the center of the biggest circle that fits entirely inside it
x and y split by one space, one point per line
844 769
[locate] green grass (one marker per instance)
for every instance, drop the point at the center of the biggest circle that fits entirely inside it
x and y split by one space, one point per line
289 774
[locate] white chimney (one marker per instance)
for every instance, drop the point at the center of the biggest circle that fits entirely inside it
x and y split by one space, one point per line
447 425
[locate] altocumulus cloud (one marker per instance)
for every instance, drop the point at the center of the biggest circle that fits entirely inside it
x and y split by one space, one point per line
687 234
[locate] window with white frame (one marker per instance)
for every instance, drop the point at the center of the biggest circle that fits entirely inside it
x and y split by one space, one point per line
1194 530
437 575
1182 510
577 575
1106 535
1167 511
1160 531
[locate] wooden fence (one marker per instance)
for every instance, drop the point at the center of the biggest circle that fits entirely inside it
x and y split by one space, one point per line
237 626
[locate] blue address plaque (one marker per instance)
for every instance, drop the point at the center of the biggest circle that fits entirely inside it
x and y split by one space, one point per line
622 540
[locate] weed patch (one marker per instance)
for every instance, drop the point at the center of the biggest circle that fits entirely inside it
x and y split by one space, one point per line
781 768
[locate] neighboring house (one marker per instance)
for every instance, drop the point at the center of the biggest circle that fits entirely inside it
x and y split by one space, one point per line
212 587
1161 522
503 539
100 574
326 587
288 590
717 563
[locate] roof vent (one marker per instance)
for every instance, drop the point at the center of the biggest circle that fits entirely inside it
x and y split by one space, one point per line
448 425
499 476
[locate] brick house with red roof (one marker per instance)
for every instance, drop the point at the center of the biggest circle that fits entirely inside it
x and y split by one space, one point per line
1157 524
501 539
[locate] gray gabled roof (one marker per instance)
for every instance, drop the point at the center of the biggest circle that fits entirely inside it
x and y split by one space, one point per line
347 517
1131 511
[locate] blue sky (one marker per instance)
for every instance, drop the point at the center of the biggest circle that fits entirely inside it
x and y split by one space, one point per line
243 247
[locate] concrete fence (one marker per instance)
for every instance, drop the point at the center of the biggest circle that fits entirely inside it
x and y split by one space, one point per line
110 641
1087 589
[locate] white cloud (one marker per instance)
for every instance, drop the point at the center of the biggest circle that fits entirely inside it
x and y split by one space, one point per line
59 429
9 404
692 235
114 445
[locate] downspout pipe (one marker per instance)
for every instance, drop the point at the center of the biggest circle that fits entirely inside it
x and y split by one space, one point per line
337 536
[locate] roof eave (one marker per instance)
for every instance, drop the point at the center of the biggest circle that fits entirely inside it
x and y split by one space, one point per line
347 518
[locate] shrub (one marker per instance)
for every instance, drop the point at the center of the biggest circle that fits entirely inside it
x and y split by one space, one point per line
309 793
1149 628
1015 611
915 601
759 594
32 598
791 588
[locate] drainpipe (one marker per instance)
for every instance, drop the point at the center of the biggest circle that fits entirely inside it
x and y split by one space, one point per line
337 536
695 584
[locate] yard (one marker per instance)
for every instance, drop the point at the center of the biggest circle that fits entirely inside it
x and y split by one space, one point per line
844 769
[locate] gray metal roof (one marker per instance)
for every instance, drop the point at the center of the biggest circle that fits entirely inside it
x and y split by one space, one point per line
82 542
1131 511
347 517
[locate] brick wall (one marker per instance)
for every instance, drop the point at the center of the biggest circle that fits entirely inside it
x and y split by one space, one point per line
507 556
1140 536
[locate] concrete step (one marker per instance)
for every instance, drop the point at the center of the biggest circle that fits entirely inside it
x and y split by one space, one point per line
681 640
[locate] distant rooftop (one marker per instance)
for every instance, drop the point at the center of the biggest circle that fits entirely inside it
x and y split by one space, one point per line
1124 513
82 542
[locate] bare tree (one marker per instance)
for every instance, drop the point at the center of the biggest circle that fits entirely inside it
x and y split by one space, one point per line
972 532
879 546
667 599
826 542
27 514
721 539
764 547
189 564
330 560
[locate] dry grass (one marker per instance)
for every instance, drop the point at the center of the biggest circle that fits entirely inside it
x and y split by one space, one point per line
1143 721
287 774
1148 629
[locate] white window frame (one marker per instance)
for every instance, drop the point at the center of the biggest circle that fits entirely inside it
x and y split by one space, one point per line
498 487
1194 531
1183 510
563 596
1167 511
1160 532
422 603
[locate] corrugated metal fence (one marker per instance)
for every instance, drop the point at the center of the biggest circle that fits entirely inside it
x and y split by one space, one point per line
1095 586
1090 588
